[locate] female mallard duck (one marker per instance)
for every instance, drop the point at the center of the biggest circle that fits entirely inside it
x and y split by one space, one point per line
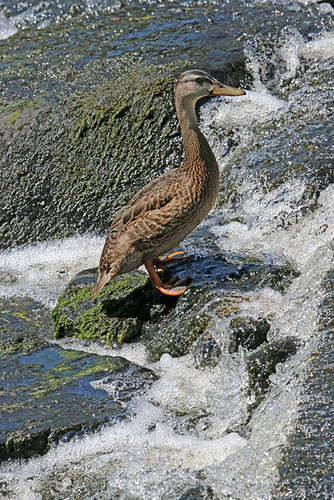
165 211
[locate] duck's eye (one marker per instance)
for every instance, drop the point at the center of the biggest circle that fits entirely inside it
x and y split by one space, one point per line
201 80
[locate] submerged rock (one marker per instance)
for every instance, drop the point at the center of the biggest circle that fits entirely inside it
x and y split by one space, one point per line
55 394
248 332
23 326
206 351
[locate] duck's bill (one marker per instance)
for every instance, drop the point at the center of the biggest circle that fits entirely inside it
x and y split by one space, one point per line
220 89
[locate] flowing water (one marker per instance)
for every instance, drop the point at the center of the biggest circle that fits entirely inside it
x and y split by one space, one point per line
183 437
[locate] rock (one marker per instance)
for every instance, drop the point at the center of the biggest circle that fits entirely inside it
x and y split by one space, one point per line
24 445
117 315
206 351
262 362
249 332
91 153
128 308
23 326
187 323
198 493
54 394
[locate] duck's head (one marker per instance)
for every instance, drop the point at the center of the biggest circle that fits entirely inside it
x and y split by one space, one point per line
195 84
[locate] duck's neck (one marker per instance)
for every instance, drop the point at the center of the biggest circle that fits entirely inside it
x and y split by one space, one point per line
197 152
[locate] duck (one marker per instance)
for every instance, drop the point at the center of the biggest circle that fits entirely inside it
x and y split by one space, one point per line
170 207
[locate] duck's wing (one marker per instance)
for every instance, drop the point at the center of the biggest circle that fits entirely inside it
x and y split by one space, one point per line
156 196
141 209
142 220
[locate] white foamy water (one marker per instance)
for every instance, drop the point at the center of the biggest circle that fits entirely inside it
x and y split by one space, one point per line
295 48
42 270
133 458
7 27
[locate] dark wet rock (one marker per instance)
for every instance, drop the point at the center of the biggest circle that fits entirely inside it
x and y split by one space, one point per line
129 307
15 341
307 460
23 445
276 276
248 275
23 326
198 493
206 351
248 332
327 310
54 394
187 323
262 362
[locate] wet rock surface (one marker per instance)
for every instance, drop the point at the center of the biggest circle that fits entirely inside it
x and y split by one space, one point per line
262 363
91 152
128 308
49 394
248 332
55 394
118 313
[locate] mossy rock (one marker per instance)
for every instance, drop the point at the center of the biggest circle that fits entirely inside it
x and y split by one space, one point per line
19 341
69 166
117 315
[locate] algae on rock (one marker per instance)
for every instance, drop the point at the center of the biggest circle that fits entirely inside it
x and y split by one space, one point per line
65 394
68 167
116 316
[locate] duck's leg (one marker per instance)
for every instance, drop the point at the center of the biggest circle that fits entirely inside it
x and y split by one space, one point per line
156 281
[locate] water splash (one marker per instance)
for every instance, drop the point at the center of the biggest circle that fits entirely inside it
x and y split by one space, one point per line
42 270
7 26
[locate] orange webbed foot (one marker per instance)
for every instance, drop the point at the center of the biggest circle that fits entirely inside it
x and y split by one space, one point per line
170 259
174 288
174 291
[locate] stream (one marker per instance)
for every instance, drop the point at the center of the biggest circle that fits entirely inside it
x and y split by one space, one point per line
188 432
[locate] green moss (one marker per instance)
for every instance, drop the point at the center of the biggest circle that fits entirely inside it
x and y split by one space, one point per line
12 111
117 314
67 373
76 366
13 346
13 106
